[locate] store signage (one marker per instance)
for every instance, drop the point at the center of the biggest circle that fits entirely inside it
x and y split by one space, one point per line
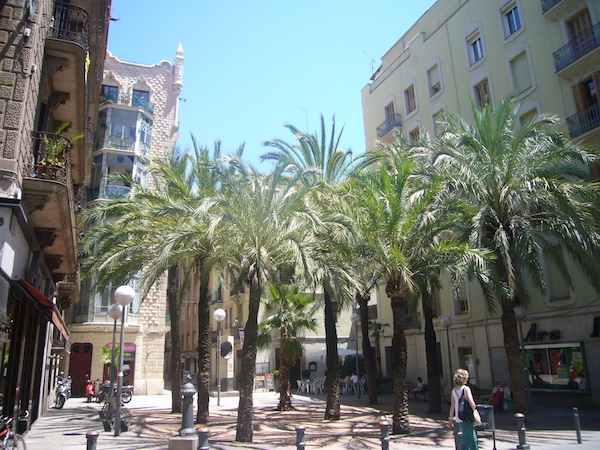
536 336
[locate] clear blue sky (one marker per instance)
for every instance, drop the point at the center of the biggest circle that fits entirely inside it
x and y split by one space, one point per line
251 66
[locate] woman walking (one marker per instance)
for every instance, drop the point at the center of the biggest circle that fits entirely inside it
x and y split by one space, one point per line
462 395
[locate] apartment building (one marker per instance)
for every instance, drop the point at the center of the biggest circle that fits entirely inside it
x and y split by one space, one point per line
548 53
51 61
137 120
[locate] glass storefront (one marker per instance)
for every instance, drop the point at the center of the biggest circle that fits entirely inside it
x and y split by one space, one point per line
556 367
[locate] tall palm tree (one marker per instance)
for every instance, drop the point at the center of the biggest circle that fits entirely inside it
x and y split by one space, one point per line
157 230
396 216
330 165
530 190
289 313
263 225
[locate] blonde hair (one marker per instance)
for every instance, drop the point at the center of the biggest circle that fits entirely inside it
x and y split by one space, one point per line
461 377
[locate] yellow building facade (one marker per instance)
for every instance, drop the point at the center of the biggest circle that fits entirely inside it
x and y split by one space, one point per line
548 53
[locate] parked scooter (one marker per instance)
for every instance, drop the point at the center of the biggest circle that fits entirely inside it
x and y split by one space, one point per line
126 393
91 392
63 391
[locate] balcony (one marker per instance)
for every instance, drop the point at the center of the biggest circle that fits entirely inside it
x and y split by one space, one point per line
581 50
72 24
555 9
584 121
48 197
391 122
142 102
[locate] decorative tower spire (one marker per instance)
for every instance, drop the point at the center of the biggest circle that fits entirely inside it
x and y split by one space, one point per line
178 69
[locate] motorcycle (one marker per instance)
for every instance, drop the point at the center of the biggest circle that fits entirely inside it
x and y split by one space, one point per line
63 391
91 392
126 393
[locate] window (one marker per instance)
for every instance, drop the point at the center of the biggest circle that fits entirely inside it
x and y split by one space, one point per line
389 111
482 93
123 123
372 312
410 99
434 80
140 98
585 92
579 26
556 366
413 135
475 47
512 20
527 116
436 125
520 73
557 287
108 94
461 299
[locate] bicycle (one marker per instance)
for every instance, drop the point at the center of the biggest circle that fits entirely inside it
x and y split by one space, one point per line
8 439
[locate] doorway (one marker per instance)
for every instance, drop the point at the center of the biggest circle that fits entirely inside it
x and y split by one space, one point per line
466 360
80 367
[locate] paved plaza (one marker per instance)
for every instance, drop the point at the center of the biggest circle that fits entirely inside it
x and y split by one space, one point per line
153 425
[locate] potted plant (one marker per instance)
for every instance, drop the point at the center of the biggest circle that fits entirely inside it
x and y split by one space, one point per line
55 145
276 376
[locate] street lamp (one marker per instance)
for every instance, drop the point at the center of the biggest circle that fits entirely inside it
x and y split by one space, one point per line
219 316
355 318
446 323
520 314
114 312
124 295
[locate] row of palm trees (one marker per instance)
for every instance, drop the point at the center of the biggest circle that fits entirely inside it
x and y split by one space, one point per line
482 201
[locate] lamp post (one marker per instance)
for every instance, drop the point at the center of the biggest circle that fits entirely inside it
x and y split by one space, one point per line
520 315
124 295
355 318
219 316
114 312
447 322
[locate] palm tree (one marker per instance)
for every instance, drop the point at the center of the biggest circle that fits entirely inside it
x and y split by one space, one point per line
158 230
264 225
330 165
288 314
396 216
530 191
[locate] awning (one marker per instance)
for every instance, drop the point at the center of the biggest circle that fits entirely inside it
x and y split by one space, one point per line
48 307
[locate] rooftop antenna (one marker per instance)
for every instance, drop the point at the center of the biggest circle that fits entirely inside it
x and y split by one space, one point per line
306 115
372 62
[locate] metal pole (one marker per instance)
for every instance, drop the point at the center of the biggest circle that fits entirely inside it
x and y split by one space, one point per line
449 356
520 418
219 367
91 439
577 424
525 370
358 376
300 443
384 428
112 365
120 378
203 439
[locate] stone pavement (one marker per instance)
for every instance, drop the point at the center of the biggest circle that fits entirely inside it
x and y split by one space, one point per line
548 428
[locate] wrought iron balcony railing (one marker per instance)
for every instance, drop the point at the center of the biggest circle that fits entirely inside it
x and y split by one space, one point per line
52 158
548 4
578 47
390 123
584 121
142 102
71 23
107 98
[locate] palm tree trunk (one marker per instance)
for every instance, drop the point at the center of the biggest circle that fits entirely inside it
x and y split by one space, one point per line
285 396
368 353
248 362
400 421
434 389
173 304
204 347
377 337
332 409
512 348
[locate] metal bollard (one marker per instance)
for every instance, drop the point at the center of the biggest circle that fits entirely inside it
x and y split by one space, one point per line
203 439
384 426
577 424
187 418
92 439
520 418
300 444
457 436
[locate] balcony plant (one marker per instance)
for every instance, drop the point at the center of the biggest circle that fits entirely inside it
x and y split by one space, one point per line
55 144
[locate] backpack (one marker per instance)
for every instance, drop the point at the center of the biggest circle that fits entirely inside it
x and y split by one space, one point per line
465 411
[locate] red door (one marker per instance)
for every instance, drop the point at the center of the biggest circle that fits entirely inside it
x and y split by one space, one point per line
81 365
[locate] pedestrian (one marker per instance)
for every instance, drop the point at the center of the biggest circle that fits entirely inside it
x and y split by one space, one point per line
462 395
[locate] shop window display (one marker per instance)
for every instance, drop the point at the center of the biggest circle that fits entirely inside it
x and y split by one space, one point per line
556 367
